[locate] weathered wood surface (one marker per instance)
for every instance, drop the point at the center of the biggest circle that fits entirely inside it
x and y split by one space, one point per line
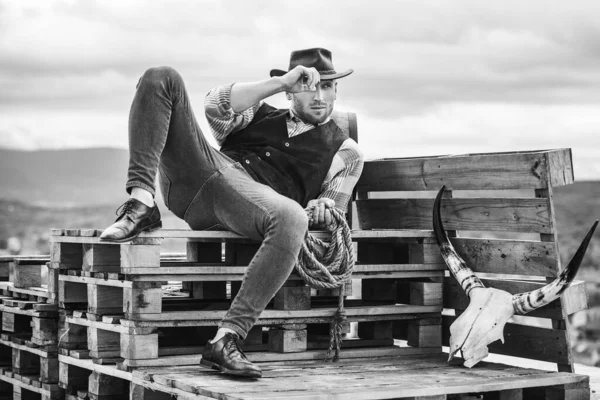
474 214
501 256
67 236
214 272
574 296
309 355
542 344
515 170
397 377
276 317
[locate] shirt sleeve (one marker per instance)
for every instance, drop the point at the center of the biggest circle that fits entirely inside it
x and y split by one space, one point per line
346 167
222 120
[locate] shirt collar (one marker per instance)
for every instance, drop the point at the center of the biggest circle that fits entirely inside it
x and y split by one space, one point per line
296 119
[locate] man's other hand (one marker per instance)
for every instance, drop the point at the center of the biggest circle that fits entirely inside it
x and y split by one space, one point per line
301 79
321 215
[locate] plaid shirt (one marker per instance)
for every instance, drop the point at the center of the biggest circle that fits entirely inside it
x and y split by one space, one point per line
347 163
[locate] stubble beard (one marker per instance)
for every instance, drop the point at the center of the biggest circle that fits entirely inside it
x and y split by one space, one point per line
305 114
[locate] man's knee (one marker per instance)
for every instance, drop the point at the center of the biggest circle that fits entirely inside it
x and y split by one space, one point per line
291 219
159 75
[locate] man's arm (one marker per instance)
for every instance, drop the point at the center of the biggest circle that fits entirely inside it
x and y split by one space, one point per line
339 183
231 108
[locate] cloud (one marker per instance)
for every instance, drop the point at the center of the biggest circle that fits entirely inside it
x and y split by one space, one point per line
430 77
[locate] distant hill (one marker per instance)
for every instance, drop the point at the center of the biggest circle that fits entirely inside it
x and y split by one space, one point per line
64 177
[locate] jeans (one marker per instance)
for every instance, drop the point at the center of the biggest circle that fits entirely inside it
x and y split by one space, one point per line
208 189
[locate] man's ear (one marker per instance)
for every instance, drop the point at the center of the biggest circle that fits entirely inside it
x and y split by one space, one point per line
288 95
335 90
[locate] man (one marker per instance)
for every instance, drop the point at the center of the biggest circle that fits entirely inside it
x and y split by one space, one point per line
272 164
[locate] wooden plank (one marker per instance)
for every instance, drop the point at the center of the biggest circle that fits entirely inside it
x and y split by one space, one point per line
237 273
27 275
89 365
515 170
39 352
139 256
525 341
94 281
51 391
211 236
287 316
319 355
473 214
455 297
500 256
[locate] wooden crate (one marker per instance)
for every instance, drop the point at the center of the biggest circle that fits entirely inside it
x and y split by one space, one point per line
500 215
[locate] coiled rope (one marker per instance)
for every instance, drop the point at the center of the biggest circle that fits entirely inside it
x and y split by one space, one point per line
329 270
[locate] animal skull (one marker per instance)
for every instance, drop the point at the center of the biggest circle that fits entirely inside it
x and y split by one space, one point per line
489 309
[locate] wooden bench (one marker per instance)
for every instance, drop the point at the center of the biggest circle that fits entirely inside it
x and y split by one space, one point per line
500 211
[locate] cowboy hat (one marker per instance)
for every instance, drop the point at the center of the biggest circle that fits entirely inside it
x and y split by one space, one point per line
318 58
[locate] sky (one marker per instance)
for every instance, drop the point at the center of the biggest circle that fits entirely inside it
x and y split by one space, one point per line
431 77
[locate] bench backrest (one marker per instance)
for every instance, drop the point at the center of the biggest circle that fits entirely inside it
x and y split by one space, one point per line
500 211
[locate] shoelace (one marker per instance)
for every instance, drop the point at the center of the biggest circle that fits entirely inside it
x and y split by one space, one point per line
234 344
124 208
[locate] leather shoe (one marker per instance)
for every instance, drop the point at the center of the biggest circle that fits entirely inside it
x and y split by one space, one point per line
226 355
134 217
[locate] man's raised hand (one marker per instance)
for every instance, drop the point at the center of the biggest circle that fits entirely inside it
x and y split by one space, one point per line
301 79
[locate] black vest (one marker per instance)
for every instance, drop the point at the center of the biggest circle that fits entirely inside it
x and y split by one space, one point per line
293 166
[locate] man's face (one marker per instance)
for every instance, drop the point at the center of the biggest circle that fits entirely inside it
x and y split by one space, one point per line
314 107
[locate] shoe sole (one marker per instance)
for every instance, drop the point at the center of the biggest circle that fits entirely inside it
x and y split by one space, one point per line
211 365
150 228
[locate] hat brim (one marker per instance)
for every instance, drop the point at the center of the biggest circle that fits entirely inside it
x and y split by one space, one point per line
324 77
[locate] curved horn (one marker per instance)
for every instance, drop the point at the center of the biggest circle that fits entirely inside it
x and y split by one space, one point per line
463 274
527 302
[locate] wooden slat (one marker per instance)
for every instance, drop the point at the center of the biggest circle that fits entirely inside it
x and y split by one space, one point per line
275 317
480 214
213 272
518 170
217 236
525 341
455 297
260 357
500 256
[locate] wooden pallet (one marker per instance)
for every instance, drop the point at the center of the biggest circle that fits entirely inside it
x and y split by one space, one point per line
30 278
177 338
29 323
27 386
400 296
29 347
406 377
